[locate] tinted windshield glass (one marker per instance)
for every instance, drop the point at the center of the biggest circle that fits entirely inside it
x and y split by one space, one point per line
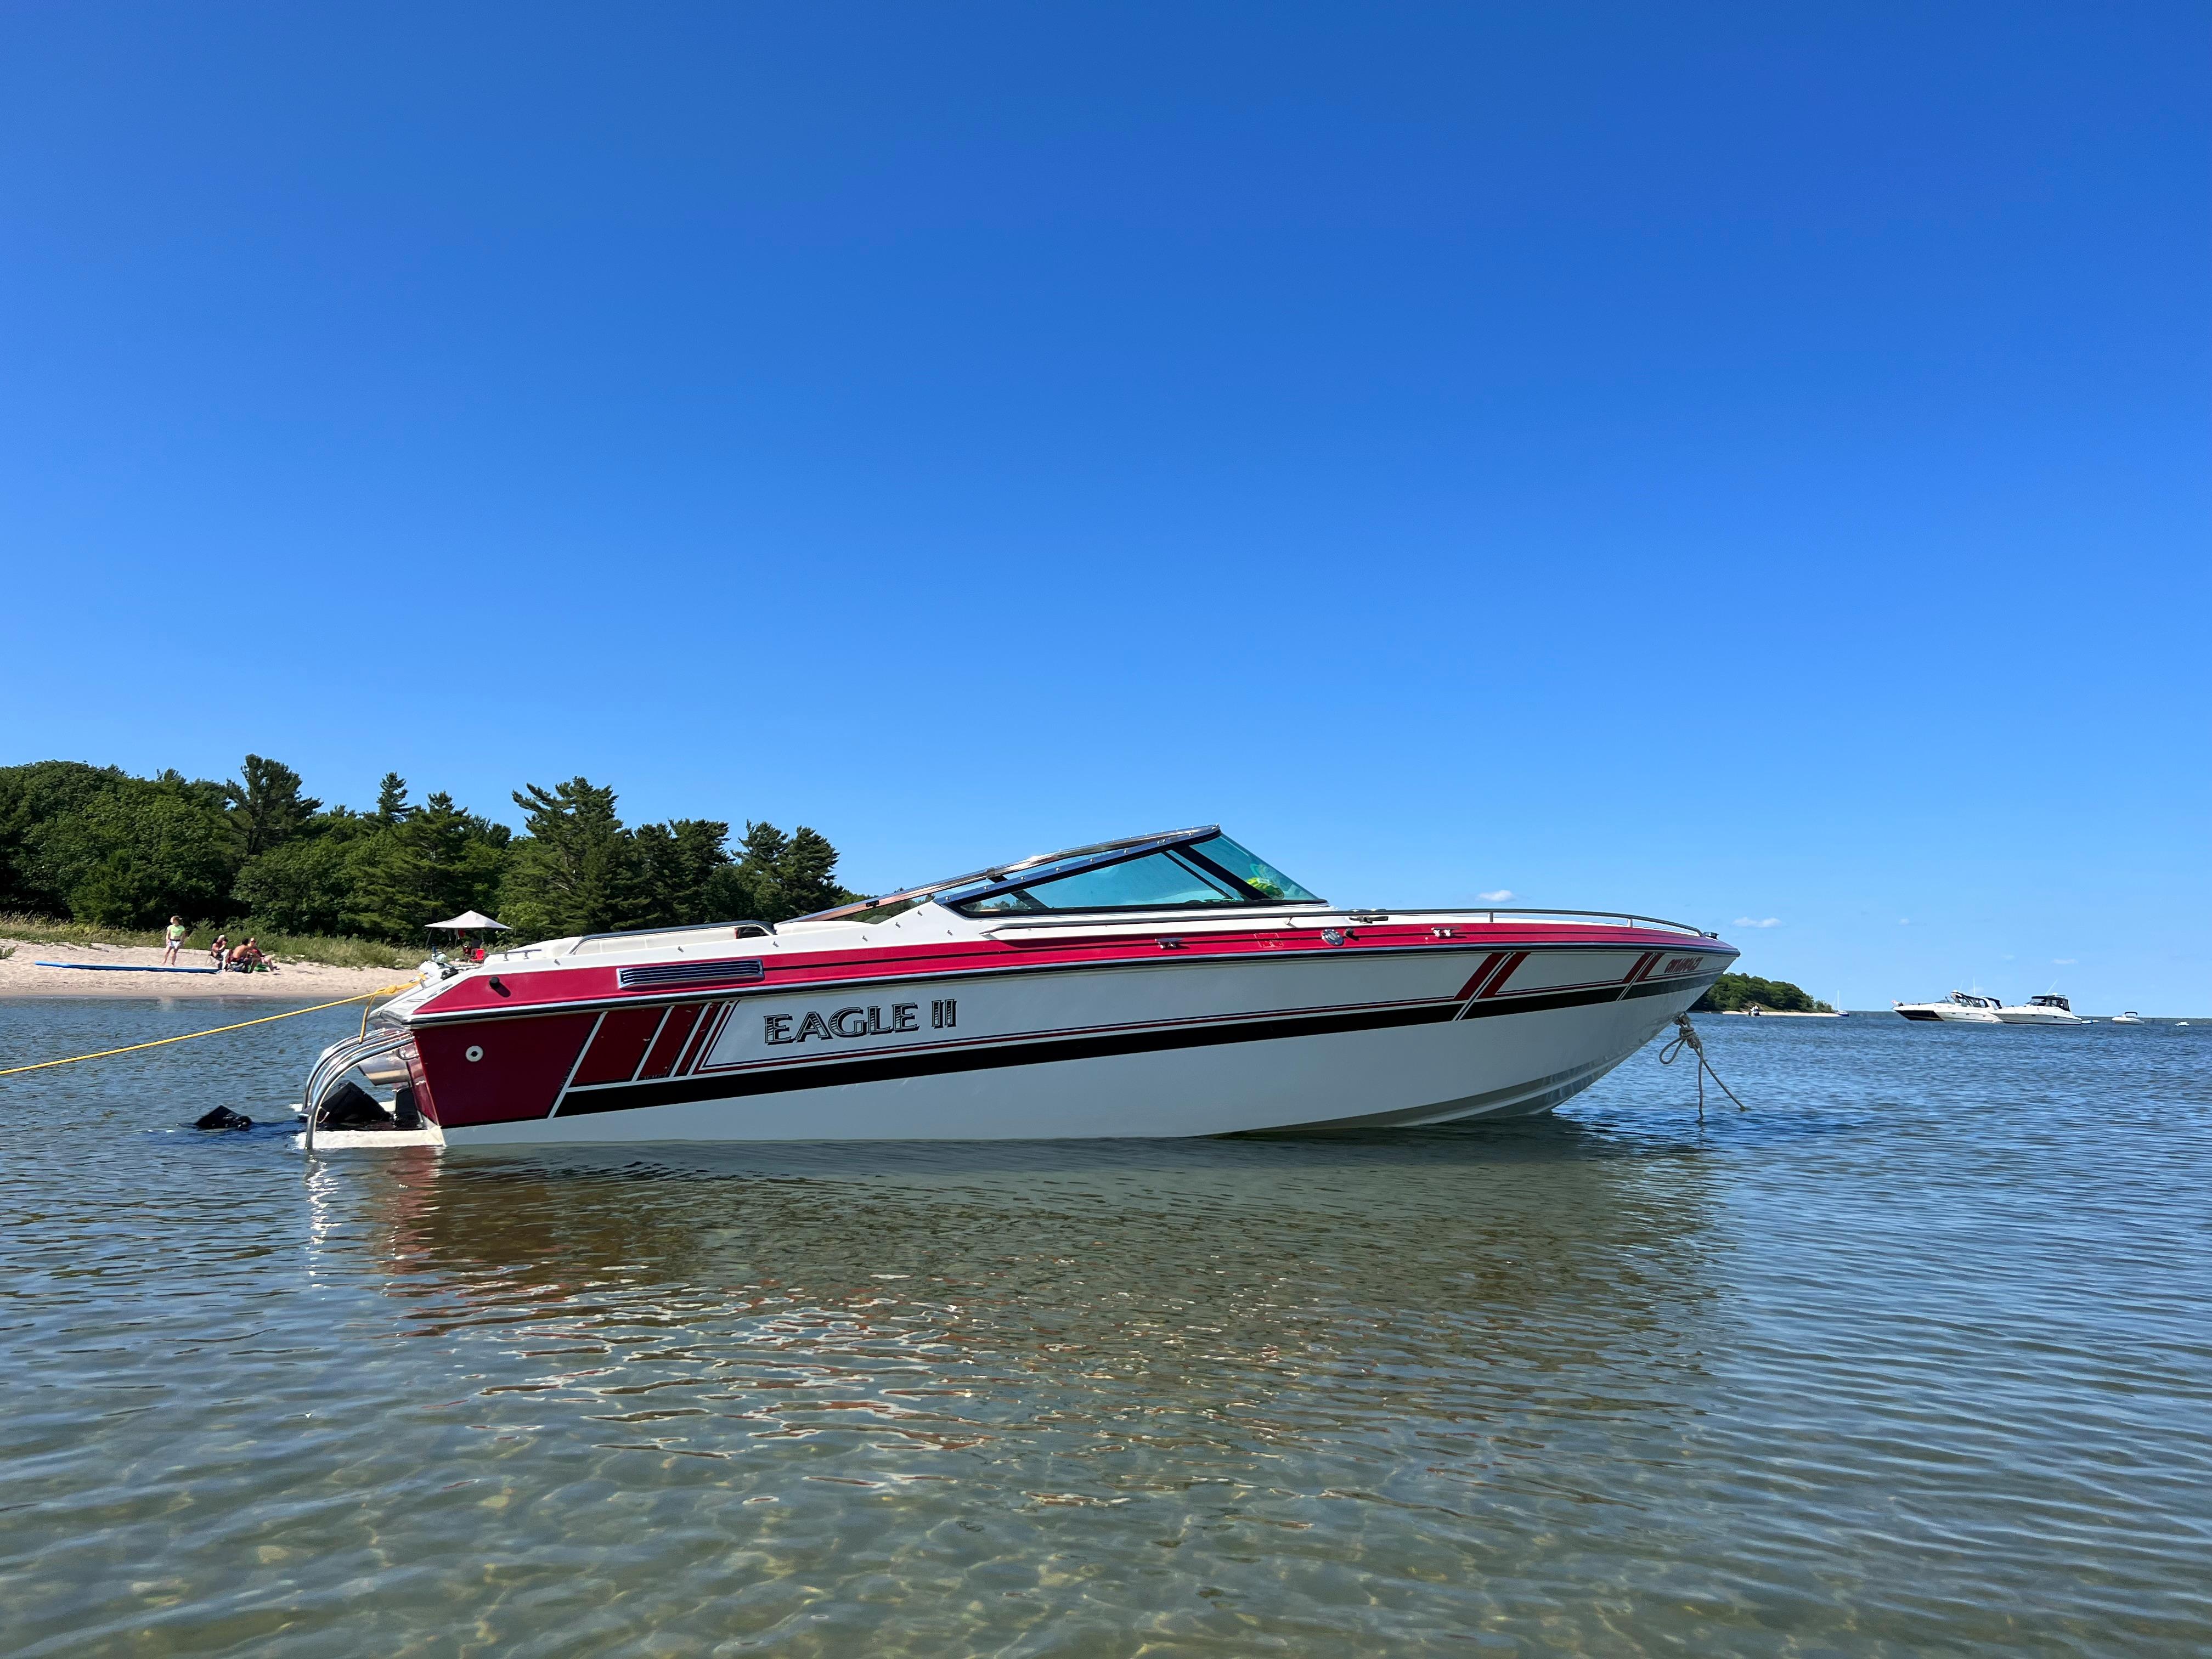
1254 872
1158 878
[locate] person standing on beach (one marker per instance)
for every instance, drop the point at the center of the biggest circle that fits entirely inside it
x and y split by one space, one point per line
175 937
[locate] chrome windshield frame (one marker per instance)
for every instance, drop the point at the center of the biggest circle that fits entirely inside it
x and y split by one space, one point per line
1102 852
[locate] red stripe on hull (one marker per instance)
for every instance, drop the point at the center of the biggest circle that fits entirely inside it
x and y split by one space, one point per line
1512 962
619 1046
567 985
520 1067
1474 979
703 1035
675 1036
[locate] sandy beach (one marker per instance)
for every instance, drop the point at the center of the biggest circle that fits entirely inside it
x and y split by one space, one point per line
302 982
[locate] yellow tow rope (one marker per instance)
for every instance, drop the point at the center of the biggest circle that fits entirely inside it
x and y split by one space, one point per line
384 990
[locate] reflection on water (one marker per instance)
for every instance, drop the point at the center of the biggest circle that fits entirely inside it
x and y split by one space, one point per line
1886 1366
1190 1296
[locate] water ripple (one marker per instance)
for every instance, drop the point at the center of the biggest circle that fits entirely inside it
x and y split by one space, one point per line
1910 1359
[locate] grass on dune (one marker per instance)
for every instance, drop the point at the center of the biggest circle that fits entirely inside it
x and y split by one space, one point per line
285 947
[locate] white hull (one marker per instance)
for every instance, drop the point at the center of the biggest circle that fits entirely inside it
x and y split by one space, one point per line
1508 1066
2038 1017
1142 988
1959 1008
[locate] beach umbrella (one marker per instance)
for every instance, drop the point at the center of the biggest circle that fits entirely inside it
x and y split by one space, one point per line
470 921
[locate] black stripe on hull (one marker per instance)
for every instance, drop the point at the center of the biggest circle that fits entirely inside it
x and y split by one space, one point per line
884 1068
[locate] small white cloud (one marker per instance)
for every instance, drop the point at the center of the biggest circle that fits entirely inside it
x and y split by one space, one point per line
1752 921
2062 962
1497 898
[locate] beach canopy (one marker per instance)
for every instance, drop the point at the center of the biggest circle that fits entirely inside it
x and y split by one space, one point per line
468 921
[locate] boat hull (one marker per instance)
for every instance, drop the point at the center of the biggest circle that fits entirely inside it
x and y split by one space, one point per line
1164 1049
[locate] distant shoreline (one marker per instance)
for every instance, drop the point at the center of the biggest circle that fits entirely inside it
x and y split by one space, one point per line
296 981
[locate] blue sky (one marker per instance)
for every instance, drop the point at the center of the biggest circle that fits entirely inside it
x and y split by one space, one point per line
1728 463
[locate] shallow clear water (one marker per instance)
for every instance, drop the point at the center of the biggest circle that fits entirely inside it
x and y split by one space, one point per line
1916 1357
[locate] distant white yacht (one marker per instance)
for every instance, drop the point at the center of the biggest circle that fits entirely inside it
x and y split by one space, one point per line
2045 1010
1960 1006
2130 1017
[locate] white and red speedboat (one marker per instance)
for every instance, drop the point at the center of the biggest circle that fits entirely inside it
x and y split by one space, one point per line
1164 985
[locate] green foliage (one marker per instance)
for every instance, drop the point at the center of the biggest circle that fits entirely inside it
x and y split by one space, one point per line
678 862
118 854
1734 992
31 798
577 871
135 852
267 809
392 799
422 864
777 877
304 886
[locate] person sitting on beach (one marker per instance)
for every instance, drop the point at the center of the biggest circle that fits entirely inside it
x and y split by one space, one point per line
171 940
247 959
219 952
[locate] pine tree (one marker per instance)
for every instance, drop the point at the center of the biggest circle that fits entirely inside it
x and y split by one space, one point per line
432 861
392 799
777 877
267 809
577 871
679 860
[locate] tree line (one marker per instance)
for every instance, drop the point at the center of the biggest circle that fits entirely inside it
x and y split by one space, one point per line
1732 992
101 846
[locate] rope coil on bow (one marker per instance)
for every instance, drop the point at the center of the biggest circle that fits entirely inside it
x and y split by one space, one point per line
1686 1036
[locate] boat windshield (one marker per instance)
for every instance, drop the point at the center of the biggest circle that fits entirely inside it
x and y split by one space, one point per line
1176 867
1255 872
1214 871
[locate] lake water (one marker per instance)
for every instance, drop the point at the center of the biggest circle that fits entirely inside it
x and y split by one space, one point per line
1916 1357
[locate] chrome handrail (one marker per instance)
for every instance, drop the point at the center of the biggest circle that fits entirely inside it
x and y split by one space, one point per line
734 928
1627 916
340 1058
1256 915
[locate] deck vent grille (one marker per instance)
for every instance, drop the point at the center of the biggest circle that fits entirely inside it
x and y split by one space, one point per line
653 975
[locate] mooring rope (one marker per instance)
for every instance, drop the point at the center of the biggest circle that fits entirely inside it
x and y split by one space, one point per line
290 1014
1687 1038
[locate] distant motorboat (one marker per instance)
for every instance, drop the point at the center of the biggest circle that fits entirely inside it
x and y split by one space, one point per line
2130 1017
1960 1007
2045 1010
